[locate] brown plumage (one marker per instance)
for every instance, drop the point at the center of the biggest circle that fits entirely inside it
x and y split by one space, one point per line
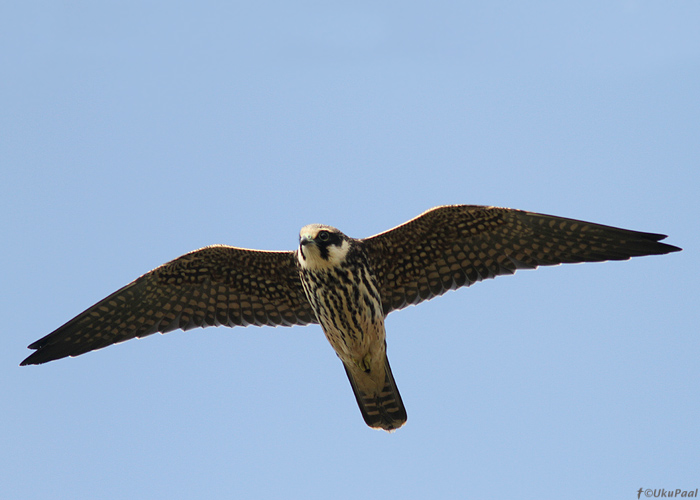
442 249
217 285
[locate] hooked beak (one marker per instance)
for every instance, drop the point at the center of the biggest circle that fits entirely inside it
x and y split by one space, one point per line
303 241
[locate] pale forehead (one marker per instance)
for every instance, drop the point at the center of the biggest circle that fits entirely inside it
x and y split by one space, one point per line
312 230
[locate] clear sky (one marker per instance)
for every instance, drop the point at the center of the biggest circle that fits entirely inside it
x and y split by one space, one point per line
133 132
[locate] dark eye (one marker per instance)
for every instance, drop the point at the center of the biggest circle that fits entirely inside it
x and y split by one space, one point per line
324 236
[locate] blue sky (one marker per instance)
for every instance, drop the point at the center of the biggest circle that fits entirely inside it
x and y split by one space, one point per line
133 132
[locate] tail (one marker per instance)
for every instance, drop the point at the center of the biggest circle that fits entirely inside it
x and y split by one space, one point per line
381 409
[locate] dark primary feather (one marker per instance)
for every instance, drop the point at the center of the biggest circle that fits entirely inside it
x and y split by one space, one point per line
452 246
217 285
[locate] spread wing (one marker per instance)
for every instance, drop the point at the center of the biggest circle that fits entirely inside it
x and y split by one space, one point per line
217 285
452 246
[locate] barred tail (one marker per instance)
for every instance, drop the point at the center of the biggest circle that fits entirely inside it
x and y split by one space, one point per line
380 409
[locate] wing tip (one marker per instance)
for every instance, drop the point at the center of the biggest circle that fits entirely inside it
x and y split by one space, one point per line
661 248
41 356
34 359
671 248
37 345
42 353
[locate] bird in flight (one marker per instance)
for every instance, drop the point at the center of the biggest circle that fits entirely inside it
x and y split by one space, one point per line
346 285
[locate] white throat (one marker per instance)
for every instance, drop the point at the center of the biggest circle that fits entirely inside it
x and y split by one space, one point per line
313 261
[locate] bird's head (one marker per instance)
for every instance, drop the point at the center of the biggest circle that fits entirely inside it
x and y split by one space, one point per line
322 247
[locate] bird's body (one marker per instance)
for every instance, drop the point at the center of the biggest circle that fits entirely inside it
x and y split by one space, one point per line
344 294
346 285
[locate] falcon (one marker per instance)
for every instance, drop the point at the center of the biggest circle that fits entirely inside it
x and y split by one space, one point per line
346 285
